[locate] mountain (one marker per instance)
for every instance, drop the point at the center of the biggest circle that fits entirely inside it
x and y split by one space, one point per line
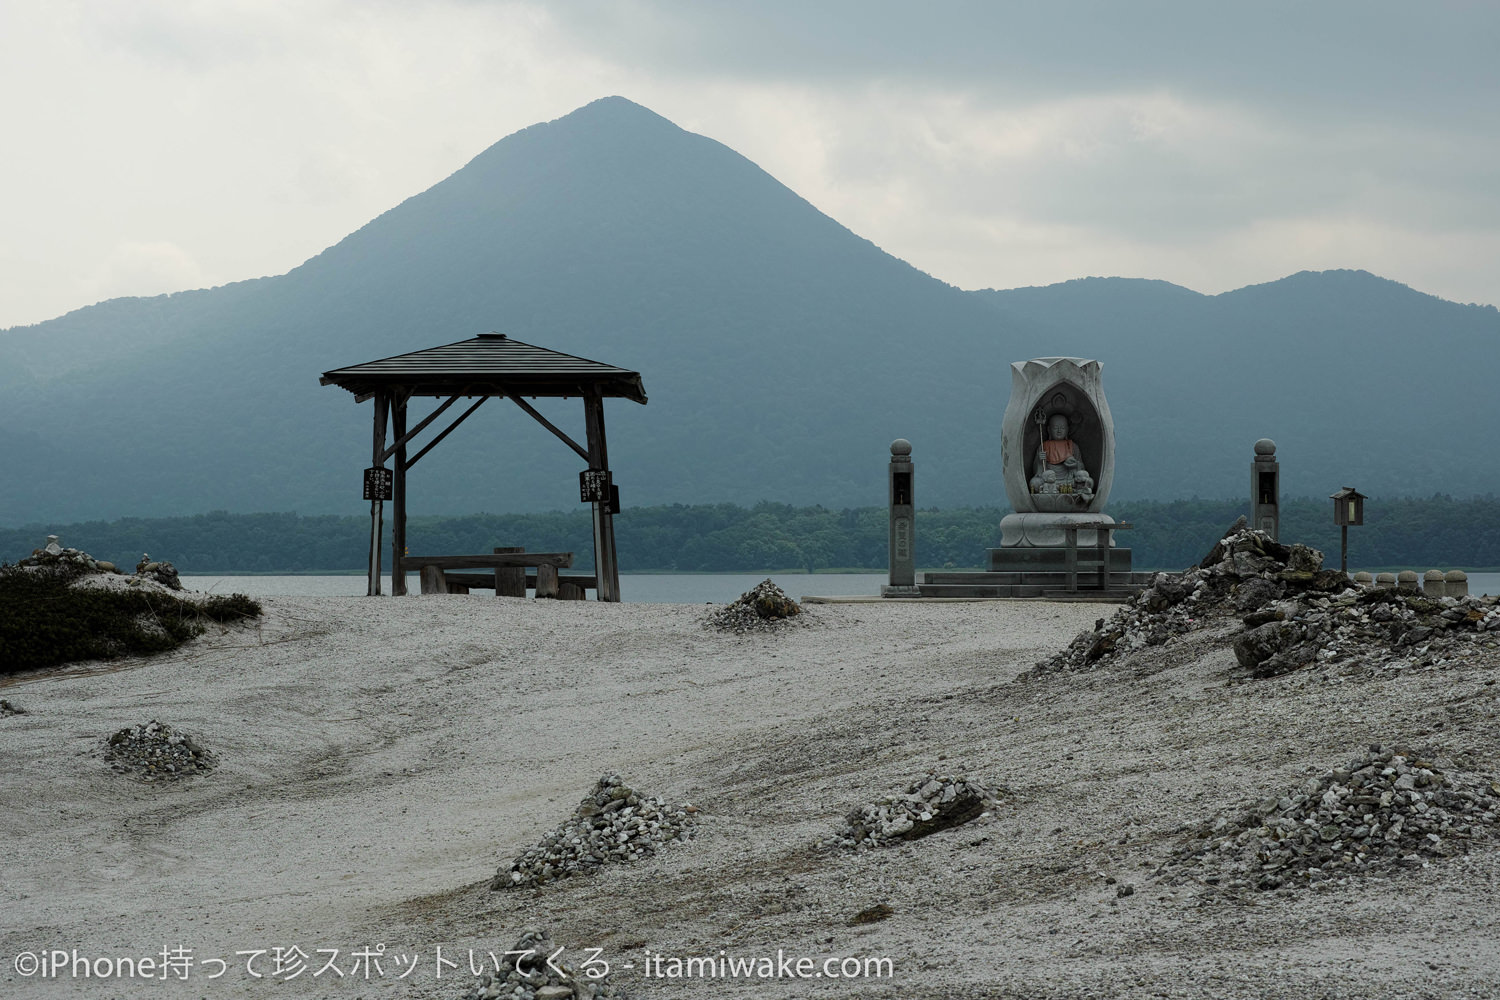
1360 381
782 353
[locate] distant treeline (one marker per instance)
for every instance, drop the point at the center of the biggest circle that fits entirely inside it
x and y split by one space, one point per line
1439 532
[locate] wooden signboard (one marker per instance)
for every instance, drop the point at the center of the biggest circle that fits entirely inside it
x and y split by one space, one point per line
593 486
378 480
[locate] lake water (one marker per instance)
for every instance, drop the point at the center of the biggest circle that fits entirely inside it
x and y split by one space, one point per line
646 588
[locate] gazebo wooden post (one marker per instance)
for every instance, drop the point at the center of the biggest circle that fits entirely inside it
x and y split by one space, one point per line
606 567
398 493
491 366
377 506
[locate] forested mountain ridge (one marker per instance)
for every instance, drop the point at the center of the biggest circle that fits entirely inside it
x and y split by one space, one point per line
1438 532
782 353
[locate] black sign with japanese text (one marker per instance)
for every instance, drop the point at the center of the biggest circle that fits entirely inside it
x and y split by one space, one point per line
593 486
378 482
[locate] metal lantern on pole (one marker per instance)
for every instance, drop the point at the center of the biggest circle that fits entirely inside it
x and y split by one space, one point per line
1348 508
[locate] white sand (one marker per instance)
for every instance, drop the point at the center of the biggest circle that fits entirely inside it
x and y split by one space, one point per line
380 758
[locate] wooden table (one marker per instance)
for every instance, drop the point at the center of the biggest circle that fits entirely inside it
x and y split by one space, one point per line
509 566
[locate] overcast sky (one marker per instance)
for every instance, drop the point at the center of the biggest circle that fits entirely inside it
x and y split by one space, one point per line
157 146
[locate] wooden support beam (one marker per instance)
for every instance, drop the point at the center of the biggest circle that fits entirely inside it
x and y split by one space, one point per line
606 568
486 581
510 581
446 431
398 488
548 424
433 580
377 506
561 560
546 580
403 436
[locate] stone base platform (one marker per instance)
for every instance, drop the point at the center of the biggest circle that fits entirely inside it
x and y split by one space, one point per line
1123 585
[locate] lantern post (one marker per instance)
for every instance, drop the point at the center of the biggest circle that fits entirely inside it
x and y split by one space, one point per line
1348 508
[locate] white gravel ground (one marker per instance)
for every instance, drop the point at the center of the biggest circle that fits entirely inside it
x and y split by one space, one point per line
379 759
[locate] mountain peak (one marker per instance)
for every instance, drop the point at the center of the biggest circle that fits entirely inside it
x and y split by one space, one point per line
607 116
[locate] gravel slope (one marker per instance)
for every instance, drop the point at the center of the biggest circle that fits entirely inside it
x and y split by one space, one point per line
379 760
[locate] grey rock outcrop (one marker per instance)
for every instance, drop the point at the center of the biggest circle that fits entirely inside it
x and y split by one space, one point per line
613 824
1384 809
156 752
538 968
763 608
931 803
1293 614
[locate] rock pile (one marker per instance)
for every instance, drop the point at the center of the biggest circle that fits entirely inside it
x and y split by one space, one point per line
159 570
760 609
155 752
72 562
77 565
1385 808
931 803
530 972
614 823
1294 613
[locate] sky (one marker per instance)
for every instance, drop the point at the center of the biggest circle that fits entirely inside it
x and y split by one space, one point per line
153 146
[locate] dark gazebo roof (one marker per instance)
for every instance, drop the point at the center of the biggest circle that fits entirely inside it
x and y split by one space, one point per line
489 363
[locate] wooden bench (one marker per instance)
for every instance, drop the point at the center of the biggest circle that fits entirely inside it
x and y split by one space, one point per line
508 576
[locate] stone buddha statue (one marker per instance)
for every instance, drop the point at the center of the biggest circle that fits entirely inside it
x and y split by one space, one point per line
1059 463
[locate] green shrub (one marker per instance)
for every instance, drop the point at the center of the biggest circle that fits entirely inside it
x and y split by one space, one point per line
45 621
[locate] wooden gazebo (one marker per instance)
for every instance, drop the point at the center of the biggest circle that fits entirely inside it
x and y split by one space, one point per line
489 366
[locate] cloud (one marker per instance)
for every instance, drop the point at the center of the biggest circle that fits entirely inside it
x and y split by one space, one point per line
986 143
146 269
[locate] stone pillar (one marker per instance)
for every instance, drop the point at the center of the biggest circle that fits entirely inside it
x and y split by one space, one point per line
1456 583
1406 581
1265 489
1364 580
1385 581
903 535
1433 584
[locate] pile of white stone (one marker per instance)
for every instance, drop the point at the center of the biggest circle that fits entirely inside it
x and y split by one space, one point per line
1293 613
85 570
762 608
535 970
613 824
931 803
54 556
1385 809
156 752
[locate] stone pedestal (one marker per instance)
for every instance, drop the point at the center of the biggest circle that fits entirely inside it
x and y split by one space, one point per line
1046 530
1034 548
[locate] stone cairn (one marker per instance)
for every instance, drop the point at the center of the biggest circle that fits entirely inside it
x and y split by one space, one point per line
156 752
931 803
1294 614
763 608
524 973
613 824
74 562
161 571
77 563
1385 809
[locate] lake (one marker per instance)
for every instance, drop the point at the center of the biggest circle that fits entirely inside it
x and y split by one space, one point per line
645 588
